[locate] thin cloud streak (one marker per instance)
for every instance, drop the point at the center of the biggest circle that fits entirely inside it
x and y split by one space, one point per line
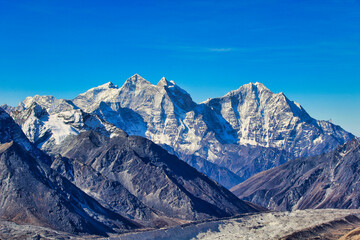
221 49
344 48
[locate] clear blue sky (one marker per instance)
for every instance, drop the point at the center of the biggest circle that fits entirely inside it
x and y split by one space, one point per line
308 49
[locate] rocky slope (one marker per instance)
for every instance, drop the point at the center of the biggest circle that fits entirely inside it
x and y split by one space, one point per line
244 132
329 180
136 177
32 193
10 131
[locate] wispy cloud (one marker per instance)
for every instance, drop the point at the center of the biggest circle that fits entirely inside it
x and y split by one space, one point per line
193 49
297 50
221 49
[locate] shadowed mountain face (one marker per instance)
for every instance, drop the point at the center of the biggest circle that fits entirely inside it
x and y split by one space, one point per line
32 193
158 182
329 180
10 131
244 132
222 175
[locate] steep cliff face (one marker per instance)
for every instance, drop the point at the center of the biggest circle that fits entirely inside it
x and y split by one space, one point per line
47 124
329 180
266 119
251 115
223 131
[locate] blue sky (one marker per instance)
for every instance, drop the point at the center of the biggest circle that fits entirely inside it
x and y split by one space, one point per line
308 49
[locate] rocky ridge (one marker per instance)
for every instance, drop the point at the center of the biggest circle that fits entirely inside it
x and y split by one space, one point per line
330 180
137 177
32 193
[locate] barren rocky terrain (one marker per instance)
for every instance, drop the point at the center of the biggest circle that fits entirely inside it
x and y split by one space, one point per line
300 224
326 181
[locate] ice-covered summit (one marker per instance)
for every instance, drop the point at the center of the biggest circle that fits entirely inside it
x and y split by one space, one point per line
164 82
105 86
136 81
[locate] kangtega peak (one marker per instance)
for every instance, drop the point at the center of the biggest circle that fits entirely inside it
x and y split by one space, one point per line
242 133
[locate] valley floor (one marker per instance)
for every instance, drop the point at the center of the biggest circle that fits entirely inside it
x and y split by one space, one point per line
299 224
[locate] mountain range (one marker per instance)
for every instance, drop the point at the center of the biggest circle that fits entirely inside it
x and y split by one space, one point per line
101 185
142 156
229 138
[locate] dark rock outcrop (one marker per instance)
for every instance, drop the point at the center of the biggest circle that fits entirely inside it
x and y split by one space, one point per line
140 169
32 193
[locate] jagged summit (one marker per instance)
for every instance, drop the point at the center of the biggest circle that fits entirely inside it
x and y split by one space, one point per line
108 85
261 87
137 76
105 86
175 92
45 100
163 82
136 79
252 87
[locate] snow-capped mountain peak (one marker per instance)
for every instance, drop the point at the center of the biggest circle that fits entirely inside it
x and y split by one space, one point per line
91 98
164 82
98 89
107 86
253 88
136 79
44 101
261 86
